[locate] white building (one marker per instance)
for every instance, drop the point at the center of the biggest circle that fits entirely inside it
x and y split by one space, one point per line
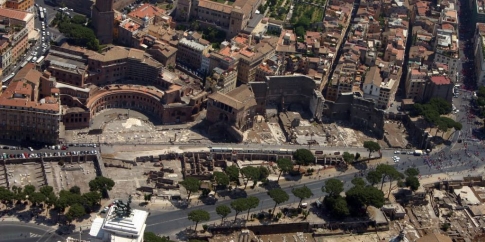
121 224
447 50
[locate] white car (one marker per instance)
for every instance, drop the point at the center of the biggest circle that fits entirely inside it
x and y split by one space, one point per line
43 32
30 148
397 152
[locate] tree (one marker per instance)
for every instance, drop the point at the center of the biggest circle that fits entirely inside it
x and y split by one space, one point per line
6 195
413 183
337 206
357 181
371 146
263 173
198 215
152 237
29 189
300 31
373 177
388 173
357 156
252 202
251 173
279 196
76 211
221 179
239 205
191 185
37 198
46 190
92 198
285 165
302 193
411 172
233 173
75 190
374 197
303 157
101 184
348 157
223 211
333 187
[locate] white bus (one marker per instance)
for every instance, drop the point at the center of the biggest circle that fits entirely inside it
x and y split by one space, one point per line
41 16
39 61
6 79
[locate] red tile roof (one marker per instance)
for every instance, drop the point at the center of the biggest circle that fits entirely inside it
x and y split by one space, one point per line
440 80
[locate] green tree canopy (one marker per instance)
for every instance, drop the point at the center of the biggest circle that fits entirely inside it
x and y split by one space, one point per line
303 157
101 184
29 189
76 211
152 237
198 216
75 190
411 172
357 181
252 202
239 205
279 196
285 165
223 211
372 146
349 158
337 206
302 193
373 177
92 198
37 198
191 184
333 187
412 182
6 195
251 173
233 173
221 178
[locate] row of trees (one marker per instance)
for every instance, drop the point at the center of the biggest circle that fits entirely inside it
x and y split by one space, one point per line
76 31
432 112
78 204
364 193
250 173
239 205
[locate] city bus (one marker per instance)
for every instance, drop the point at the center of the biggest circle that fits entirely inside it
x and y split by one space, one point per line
41 16
6 79
39 61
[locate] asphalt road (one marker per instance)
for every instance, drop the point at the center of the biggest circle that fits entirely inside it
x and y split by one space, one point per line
16 231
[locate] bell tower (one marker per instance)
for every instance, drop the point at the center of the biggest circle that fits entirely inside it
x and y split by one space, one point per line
103 20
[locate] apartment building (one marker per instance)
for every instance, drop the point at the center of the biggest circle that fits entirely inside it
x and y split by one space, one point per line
222 81
447 49
191 52
381 84
416 83
479 50
30 109
231 17
22 5
439 87
77 66
164 53
16 27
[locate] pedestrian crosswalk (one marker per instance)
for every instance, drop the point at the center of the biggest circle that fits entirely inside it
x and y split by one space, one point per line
32 235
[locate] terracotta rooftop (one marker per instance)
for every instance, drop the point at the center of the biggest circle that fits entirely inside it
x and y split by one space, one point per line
15 14
440 80
130 25
220 7
146 10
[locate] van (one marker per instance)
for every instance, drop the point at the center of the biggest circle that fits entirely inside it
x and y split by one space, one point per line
304 205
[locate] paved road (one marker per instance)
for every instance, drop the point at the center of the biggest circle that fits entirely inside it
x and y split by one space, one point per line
17 231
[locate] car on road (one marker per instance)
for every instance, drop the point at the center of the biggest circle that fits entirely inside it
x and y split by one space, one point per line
397 152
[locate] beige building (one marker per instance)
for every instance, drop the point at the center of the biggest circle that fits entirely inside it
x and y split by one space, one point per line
30 109
222 81
164 53
191 52
415 84
232 17
381 84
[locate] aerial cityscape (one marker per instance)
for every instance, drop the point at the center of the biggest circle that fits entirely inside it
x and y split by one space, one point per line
242 120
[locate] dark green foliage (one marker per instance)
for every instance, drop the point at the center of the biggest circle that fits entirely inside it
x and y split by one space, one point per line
302 193
101 184
303 157
76 211
233 173
279 196
198 215
191 185
333 187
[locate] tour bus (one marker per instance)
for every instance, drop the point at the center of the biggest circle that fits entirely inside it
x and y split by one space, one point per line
8 78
